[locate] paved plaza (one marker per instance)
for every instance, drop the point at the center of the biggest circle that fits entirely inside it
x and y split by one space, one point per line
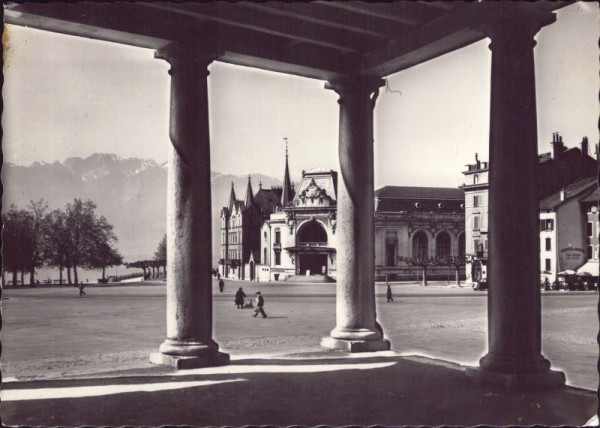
52 334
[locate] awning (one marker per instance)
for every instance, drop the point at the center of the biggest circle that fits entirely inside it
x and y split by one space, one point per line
590 268
307 249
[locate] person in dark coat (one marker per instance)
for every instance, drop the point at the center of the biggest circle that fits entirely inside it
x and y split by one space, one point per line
389 294
221 285
239 298
81 292
260 302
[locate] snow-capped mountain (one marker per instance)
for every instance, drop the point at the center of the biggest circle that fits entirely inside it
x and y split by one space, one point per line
130 193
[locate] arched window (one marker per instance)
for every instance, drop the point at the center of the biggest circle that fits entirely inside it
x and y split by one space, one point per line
442 245
461 245
312 232
420 245
476 179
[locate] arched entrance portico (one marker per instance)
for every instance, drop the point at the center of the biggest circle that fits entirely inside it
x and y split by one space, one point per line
311 258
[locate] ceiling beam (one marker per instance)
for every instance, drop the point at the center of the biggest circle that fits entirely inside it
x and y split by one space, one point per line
331 17
99 21
387 11
444 35
233 15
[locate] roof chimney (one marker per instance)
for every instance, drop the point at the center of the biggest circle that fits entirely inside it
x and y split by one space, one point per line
557 145
584 147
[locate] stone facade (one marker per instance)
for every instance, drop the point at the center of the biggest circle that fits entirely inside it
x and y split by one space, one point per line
567 230
299 239
424 222
555 170
241 221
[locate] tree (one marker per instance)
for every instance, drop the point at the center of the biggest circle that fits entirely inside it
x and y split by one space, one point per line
141 264
422 262
86 233
56 251
103 256
456 262
37 234
18 247
160 256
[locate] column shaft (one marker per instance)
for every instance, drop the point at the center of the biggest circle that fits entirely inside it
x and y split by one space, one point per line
356 324
514 308
189 340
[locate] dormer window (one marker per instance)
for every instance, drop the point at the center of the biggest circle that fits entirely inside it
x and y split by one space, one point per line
476 179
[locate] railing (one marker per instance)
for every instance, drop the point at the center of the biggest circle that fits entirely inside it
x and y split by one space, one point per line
312 244
117 278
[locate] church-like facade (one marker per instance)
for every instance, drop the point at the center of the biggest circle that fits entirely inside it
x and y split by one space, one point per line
298 241
241 221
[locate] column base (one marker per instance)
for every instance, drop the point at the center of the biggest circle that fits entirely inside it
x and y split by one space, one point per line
549 379
190 362
356 345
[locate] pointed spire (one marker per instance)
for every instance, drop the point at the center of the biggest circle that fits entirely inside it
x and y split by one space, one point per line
232 198
249 194
288 194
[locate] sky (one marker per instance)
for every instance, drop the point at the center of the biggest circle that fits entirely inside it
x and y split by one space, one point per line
67 96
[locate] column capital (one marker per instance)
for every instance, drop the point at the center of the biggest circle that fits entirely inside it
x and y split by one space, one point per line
511 25
356 86
184 56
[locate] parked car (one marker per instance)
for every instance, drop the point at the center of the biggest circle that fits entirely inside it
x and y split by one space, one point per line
480 285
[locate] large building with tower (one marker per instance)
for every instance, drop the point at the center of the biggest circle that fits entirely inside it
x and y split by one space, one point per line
298 241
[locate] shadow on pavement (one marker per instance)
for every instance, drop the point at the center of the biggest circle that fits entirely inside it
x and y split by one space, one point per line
324 389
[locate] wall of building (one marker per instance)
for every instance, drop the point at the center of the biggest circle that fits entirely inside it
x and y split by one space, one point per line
552 254
570 235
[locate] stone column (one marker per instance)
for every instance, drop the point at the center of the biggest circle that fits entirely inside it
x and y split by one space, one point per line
189 340
514 356
356 324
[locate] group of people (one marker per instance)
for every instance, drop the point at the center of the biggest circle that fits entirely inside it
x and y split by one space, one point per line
240 300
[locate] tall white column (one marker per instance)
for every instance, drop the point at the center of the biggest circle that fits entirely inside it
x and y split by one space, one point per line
356 324
514 356
189 340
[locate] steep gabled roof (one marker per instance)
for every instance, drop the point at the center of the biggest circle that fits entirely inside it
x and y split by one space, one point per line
578 189
268 199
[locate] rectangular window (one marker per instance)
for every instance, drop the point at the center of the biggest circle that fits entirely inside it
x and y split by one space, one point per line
548 265
476 222
588 229
590 252
546 225
475 245
475 201
548 244
277 258
277 237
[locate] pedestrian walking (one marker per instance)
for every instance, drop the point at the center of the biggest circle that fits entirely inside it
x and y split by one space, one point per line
389 294
239 298
260 302
81 292
221 285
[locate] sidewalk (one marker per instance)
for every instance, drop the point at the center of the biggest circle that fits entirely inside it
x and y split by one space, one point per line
308 388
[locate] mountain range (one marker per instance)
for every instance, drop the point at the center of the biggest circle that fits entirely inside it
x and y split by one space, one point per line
130 193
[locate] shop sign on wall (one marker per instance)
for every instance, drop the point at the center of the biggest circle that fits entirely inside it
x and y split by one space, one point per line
571 258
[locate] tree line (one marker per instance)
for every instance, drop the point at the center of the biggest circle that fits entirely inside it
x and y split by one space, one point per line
152 267
68 239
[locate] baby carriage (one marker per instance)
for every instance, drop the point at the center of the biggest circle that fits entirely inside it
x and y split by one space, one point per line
248 304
